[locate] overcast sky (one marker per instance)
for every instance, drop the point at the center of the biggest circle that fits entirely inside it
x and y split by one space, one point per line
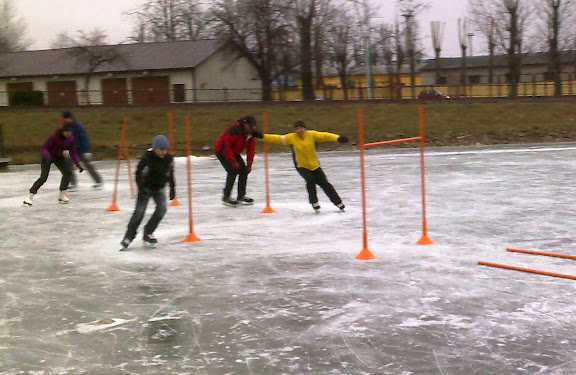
45 19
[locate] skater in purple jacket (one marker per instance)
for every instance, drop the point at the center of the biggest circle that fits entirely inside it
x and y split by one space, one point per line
52 153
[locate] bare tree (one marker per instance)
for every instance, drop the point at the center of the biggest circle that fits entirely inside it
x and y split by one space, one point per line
385 42
90 53
510 21
485 21
554 20
254 29
410 10
437 32
12 29
342 33
463 40
169 20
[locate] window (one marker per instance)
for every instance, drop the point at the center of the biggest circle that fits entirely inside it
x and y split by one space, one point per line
549 76
474 79
442 81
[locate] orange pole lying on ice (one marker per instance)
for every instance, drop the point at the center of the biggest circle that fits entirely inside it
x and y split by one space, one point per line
392 141
424 240
174 201
191 236
529 270
113 206
534 252
365 253
267 209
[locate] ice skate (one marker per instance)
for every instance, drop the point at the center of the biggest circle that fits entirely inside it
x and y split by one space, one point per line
150 241
229 202
28 200
98 186
125 243
63 198
72 188
341 206
316 207
245 200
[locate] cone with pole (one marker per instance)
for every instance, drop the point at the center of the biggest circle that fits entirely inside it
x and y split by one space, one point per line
267 209
191 236
114 206
174 202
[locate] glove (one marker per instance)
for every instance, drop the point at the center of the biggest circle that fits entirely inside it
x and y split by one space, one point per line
343 139
172 193
80 169
235 165
248 169
257 134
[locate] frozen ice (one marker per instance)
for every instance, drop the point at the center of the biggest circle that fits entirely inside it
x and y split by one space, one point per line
282 293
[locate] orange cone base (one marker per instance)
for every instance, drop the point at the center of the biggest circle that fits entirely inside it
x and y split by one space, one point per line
113 207
174 202
191 238
425 240
365 254
268 210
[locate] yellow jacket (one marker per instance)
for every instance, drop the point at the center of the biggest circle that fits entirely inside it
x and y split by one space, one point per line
304 149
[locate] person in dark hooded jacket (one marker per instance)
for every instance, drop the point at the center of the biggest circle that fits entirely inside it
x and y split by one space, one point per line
229 146
53 153
155 169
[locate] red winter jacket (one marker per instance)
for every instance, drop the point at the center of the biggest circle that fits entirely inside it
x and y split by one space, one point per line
233 141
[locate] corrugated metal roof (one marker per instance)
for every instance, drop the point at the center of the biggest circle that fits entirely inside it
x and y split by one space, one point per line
499 60
135 57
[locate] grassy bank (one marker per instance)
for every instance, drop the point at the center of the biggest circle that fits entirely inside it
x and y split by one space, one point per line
446 124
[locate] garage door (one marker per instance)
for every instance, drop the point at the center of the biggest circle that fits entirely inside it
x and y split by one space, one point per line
151 90
114 91
62 93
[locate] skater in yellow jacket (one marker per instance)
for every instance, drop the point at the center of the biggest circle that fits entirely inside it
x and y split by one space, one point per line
303 143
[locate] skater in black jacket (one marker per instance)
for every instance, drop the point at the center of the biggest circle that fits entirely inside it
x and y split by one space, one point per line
155 169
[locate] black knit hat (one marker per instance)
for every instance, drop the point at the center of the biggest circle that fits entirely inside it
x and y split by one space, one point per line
66 114
66 128
299 123
250 120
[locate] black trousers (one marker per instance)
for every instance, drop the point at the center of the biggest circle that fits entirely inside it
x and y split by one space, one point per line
231 173
45 170
87 165
317 177
144 195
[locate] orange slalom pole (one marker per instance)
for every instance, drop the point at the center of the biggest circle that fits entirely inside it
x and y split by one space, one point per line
267 209
393 141
534 252
191 236
424 240
529 270
365 254
113 206
174 201
127 157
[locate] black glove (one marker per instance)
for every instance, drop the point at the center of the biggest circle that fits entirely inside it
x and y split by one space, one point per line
80 169
172 193
257 134
343 139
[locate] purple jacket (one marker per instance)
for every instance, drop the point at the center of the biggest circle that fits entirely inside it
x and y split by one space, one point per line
54 145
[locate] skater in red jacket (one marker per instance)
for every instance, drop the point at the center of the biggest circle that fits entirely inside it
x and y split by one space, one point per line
235 139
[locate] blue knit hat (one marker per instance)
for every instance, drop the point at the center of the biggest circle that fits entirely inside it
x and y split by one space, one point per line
160 141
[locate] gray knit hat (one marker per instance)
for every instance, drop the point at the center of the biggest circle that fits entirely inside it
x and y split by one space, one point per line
160 141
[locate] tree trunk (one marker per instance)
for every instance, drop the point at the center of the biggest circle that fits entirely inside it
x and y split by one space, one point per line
306 56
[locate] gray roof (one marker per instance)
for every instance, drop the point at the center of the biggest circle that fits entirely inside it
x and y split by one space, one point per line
499 60
135 57
374 69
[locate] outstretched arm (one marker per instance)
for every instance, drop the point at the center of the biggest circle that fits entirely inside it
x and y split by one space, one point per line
285 140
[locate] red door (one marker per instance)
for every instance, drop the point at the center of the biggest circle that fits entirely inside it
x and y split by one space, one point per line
62 93
114 91
151 90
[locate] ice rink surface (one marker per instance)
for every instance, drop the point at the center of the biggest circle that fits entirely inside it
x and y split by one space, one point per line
282 293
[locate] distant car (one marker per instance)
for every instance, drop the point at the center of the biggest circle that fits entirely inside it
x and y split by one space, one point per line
432 95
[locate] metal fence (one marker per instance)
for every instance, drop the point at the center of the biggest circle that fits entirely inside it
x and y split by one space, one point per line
328 93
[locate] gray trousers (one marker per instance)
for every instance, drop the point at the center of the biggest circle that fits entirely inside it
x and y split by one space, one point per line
87 165
144 194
